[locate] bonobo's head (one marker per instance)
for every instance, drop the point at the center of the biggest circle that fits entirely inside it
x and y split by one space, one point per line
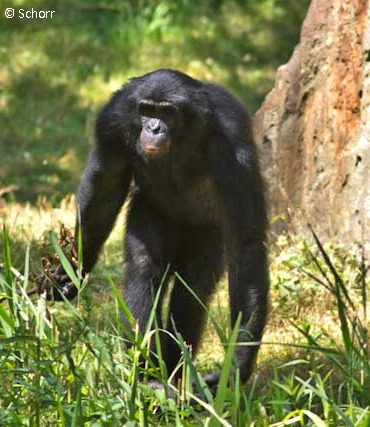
172 109
158 123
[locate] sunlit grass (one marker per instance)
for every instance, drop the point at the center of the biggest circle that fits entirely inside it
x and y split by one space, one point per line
308 365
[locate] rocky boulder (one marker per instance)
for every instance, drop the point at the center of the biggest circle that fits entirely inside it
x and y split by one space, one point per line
313 128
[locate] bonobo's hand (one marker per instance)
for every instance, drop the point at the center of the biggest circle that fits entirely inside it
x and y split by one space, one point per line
55 284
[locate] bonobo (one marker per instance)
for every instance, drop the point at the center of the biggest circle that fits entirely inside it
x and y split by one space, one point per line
196 206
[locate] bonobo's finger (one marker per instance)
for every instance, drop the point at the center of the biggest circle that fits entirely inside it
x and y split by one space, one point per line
60 279
56 292
69 290
43 283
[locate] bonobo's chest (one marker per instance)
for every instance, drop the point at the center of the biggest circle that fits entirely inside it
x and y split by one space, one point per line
183 195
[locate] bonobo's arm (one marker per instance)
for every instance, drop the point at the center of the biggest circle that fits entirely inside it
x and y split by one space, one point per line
241 198
102 192
105 182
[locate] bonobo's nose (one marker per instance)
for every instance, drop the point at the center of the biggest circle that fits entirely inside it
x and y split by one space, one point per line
155 125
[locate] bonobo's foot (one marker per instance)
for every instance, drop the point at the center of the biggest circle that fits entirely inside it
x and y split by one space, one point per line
56 284
156 385
212 381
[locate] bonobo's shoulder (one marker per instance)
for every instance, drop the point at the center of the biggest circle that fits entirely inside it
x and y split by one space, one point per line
223 99
230 113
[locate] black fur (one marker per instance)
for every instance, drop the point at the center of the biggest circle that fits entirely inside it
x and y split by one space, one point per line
194 206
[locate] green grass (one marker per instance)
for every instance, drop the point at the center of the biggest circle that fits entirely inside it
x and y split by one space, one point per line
66 364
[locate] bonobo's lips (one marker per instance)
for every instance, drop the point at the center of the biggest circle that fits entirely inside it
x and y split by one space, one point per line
154 151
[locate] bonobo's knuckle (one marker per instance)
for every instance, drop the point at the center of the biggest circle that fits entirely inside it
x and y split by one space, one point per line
55 285
64 279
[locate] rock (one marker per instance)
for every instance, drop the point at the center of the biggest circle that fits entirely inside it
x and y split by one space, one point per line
313 128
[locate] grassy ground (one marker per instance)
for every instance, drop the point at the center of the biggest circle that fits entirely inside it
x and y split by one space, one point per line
65 365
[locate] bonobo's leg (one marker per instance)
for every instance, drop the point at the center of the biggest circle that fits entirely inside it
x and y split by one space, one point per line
145 263
200 266
241 196
248 288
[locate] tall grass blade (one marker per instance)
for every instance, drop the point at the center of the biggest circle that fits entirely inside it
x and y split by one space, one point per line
219 331
64 261
200 384
6 322
125 311
338 280
79 241
8 273
225 372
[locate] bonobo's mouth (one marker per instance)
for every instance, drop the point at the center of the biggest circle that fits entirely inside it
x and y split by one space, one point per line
153 151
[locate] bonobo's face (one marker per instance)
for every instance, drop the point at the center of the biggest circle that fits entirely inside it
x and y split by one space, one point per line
157 124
